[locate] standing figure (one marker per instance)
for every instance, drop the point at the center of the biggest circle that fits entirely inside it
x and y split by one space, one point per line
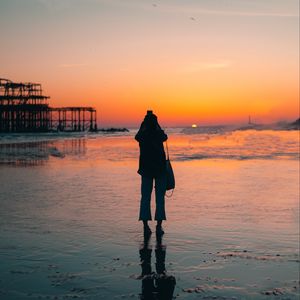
152 167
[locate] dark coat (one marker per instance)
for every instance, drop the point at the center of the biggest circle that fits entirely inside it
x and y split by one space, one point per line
152 161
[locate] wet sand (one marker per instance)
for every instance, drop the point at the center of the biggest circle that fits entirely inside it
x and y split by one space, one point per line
69 229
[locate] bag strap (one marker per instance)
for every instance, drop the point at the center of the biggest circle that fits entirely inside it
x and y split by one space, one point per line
167 148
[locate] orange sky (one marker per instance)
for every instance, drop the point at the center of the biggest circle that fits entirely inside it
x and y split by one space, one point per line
190 61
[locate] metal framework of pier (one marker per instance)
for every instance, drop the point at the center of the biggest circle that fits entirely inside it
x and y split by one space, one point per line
73 118
24 108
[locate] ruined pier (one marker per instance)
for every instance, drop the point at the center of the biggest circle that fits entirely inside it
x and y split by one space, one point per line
24 108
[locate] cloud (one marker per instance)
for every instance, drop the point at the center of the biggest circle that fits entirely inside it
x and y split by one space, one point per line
197 10
244 13
202 66
187 8
72 65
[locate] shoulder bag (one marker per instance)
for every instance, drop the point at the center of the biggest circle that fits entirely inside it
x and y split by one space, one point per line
169 173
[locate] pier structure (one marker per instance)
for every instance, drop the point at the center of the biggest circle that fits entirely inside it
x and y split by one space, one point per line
24 108
74 118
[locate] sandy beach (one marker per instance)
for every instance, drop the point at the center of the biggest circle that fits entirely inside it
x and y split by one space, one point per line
69 210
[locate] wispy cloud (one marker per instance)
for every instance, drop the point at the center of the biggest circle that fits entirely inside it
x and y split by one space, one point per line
187 8
195 10
243 13
72 65
202 66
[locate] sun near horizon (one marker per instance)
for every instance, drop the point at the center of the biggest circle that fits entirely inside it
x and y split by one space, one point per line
207 62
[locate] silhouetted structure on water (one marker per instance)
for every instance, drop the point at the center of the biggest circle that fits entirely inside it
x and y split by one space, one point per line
24 108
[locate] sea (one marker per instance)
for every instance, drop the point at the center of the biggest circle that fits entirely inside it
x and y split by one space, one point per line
69 226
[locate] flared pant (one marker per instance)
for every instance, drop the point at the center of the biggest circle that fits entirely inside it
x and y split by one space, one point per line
146 190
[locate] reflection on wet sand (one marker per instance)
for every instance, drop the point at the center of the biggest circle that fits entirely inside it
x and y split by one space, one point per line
69 228
155 285
27 154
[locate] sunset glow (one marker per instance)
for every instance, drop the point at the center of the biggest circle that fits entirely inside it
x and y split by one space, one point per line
202 62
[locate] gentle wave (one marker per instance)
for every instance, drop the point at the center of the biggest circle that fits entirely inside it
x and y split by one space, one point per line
230 145
289 156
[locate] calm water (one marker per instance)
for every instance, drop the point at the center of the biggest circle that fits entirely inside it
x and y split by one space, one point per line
69 207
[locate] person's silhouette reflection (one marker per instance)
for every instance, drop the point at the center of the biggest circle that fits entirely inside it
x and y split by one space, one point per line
155 285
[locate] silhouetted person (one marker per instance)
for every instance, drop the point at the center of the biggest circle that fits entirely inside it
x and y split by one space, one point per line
159 285
152 167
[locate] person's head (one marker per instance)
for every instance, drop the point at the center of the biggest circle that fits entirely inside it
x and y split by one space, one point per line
150 120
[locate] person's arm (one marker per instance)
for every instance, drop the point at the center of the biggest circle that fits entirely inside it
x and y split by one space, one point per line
163 136
139 134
